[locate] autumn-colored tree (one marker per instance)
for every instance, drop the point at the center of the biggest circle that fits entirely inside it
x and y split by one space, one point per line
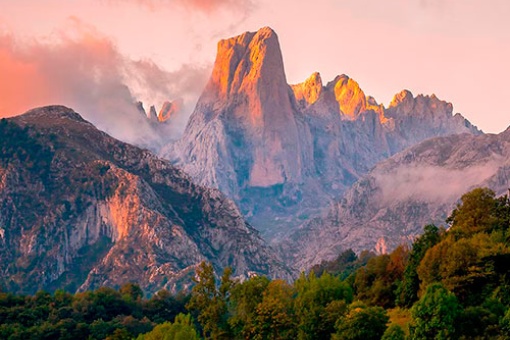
476 212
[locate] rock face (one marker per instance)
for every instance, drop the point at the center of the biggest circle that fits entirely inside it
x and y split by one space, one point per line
394 201
284 152
169 110
239 118
80 209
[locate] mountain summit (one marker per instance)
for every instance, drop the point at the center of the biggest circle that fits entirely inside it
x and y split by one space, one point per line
240 117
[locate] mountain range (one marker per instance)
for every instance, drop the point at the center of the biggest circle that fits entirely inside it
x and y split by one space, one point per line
283 152
269 178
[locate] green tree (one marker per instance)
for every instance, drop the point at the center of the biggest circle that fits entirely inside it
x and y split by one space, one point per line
314 295
505 324
244 299
434 315
476 212
211 303
131 291
394 332
274 317
181 329
361 323
407 292
163 306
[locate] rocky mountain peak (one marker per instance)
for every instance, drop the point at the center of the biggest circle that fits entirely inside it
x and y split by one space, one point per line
153 115
404 97
169 109
248 96
310 90
351 99
102 212
404 104
246 60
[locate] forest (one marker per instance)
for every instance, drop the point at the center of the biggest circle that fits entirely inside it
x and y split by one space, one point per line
451 283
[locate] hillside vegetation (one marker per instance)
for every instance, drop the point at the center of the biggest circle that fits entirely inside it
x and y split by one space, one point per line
450 284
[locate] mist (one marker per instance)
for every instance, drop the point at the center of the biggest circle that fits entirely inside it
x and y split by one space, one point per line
82 69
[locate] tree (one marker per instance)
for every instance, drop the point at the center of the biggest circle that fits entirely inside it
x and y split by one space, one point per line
244 300
181 329
274 317
163 306
361 323
476 212
209 302
407 292
434 315
505 324
394 332
131 291
314 296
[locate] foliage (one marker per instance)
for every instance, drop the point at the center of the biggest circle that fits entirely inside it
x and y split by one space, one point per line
505 324
245 297
394 332
210 302
362 323
274 317
317 304
344 265
100 314
377 282
181 329
434 315
464 275
407 293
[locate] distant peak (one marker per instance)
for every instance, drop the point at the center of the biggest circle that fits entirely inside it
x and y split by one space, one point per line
54 112
309 90
349 95
401 97
169 109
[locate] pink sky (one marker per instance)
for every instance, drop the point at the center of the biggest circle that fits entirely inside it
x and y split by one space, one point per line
457 49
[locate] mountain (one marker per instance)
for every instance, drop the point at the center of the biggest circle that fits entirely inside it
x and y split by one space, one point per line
284 152
394 201
80 209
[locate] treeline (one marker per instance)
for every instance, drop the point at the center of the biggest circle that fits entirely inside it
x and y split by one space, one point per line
450 284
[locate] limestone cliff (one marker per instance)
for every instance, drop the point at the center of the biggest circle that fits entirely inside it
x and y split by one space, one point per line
234 137
80 209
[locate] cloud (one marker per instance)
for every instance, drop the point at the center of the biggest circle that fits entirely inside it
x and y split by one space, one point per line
206 6
84 70
431 183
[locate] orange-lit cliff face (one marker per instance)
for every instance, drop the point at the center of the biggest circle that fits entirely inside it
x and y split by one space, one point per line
248 95
342 95
310 90
249 67
169 110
